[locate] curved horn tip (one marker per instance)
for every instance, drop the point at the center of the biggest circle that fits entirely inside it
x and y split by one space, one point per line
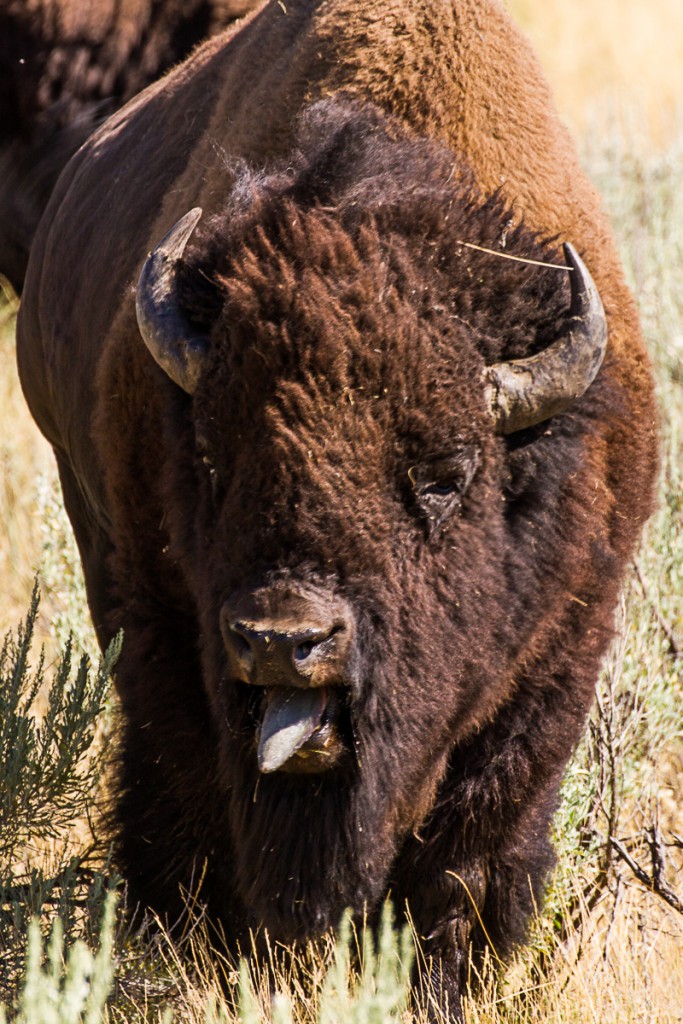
189 222
172 245
585 297
571 256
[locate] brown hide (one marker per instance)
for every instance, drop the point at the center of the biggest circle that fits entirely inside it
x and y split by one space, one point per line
447 783
65 66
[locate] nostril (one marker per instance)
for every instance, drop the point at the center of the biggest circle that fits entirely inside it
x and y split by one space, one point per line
303 650
318 644
240 644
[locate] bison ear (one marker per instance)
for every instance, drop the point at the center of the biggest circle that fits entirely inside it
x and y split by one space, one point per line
177 346
525 392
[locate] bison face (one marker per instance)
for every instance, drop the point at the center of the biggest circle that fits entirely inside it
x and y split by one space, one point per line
365 591
343 516
307 404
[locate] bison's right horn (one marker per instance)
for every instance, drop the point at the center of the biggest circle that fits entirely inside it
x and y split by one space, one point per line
175 344
525 392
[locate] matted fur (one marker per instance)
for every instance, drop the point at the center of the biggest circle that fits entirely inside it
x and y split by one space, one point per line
338 275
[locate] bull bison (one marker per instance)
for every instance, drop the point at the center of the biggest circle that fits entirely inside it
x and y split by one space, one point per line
64 67
356 449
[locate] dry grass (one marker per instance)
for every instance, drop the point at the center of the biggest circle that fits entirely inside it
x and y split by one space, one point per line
621 56
35 536
24 459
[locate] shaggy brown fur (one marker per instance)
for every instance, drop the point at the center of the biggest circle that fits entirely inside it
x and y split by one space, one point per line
349 325
65 65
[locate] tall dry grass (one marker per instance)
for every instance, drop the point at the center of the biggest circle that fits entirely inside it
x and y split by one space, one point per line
24 459
36 540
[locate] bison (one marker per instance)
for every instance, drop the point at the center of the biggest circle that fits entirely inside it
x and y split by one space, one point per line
64 67
355 428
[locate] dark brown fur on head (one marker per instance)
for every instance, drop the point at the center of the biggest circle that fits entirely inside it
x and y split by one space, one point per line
364 186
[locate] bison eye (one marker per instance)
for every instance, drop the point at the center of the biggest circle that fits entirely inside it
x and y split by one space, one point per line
437 502
439 486
443 490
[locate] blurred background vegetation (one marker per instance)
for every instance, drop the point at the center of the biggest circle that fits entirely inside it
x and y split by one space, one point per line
608 946
620 59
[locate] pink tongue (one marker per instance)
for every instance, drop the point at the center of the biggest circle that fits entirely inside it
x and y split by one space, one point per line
292 716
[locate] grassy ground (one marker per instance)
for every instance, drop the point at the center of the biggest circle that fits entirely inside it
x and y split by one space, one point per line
608 945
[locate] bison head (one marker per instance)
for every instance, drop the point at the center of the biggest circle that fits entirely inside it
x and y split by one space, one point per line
362 397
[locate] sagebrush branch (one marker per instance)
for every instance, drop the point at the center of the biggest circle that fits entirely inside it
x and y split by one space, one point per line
654 881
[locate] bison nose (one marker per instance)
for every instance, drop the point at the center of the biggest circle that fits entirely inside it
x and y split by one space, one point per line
277 650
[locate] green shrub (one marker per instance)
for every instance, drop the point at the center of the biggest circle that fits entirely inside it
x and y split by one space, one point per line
49 765
66 986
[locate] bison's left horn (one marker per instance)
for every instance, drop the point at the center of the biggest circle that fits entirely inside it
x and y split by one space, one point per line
528 391
177 346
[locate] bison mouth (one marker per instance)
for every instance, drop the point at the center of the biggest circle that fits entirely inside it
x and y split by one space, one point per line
301 729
